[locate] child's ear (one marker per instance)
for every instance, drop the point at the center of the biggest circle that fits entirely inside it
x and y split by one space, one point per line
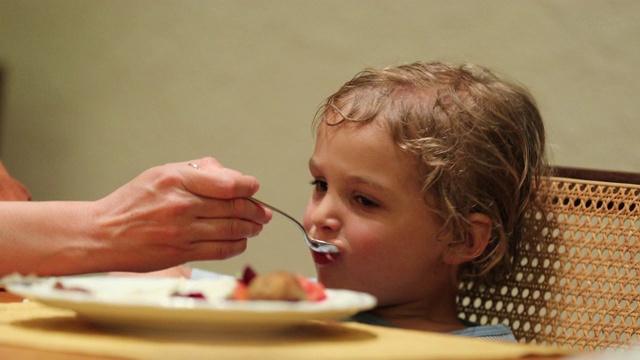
479 236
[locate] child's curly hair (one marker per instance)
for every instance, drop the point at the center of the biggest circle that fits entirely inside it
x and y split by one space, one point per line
478 138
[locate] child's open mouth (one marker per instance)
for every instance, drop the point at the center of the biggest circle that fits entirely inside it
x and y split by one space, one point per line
323 259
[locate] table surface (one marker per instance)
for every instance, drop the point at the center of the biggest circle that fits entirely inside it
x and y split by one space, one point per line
14 352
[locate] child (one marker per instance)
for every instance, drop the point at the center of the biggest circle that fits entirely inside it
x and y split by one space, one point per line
422 175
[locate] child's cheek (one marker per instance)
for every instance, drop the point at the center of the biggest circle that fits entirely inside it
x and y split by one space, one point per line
365 241
306 219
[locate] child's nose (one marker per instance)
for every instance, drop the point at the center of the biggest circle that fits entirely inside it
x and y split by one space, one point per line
324 216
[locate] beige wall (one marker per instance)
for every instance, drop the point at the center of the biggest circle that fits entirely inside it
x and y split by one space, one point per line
96 91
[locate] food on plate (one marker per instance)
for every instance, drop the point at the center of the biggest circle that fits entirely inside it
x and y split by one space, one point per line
191 294
277 285
60 286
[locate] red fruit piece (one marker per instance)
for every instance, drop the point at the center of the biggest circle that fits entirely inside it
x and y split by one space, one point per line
240 291
193 295
315 291
247 275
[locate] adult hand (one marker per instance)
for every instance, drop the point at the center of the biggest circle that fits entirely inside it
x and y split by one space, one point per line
176 213
10 188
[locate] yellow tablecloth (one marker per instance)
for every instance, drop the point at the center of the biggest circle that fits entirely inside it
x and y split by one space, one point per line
37 326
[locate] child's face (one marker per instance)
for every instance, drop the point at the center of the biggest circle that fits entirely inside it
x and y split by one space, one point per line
367 201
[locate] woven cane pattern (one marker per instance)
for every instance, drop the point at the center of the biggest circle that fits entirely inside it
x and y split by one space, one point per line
577 285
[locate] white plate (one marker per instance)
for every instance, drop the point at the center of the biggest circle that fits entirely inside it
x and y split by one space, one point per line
147 303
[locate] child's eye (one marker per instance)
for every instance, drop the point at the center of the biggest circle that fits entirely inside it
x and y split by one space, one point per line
366 202
320 186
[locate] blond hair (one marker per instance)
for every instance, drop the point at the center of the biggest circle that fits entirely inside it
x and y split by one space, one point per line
478 138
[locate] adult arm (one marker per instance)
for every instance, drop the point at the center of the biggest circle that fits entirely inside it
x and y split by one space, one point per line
166 216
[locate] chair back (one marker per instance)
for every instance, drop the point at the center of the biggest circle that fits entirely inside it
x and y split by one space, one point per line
577 283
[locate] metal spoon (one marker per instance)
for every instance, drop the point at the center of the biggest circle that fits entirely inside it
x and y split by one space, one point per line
315 244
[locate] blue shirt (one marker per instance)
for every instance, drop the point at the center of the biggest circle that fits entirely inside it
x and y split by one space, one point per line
493 332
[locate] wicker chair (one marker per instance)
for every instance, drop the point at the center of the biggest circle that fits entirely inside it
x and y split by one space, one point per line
577 285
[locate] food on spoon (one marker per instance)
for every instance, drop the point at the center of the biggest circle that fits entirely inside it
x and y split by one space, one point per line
278 285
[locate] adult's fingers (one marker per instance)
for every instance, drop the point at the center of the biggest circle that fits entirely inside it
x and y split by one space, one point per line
238 208
221 229
206 163
207 177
